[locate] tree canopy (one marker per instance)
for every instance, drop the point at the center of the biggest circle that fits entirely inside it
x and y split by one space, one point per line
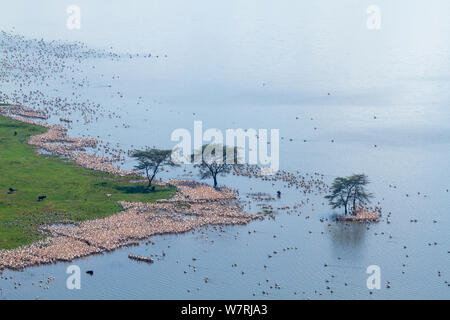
214 160
151 161
349 190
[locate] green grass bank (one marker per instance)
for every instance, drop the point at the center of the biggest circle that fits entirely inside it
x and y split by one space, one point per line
72 193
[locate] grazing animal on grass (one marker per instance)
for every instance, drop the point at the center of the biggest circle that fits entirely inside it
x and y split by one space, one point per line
11 190
15 133
41 198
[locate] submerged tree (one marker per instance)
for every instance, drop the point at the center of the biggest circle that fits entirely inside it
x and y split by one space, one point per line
214 160
349 190
151 161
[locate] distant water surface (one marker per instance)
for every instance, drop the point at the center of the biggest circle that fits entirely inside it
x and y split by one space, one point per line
382 96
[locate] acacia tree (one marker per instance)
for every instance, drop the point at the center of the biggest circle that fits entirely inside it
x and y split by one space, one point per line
151 161
359 195
214 160
349 190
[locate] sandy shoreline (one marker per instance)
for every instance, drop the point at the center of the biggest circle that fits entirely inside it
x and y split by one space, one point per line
194 206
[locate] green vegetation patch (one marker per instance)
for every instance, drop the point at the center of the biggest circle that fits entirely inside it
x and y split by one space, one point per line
72 193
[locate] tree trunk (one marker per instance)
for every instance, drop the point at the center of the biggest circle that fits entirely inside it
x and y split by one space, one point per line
148 178
215 181
149 182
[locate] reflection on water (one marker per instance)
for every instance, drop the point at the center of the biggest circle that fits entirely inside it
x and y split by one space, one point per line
345 237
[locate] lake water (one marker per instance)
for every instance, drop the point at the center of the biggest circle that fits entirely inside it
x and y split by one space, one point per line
311 69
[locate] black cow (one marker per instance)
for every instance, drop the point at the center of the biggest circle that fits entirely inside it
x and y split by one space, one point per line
41 198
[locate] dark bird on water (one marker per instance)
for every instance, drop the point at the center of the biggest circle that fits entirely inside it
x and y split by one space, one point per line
90 272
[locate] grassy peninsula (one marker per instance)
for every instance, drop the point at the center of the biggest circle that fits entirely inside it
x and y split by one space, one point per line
73 193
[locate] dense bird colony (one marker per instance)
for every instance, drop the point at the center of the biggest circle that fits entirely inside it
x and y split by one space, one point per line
202 206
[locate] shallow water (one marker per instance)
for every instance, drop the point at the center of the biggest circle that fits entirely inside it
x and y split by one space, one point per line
260 65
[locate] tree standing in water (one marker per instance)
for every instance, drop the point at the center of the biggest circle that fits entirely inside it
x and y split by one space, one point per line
349 190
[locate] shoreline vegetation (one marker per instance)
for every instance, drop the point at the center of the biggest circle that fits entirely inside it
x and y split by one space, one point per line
64 203
72 193
70 204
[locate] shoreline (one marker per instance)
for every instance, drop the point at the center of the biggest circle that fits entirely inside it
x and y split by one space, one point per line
194 206
362 215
